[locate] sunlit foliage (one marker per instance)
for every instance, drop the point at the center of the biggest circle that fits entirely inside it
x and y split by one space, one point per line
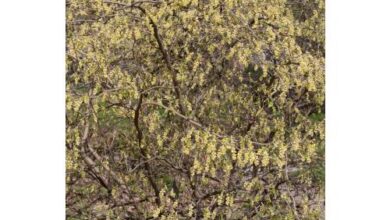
195 109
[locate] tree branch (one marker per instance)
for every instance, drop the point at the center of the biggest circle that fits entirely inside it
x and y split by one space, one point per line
143 151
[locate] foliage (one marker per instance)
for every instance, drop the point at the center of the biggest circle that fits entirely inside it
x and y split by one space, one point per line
195 109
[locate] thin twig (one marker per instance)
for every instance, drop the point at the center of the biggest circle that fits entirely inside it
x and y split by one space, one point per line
289 191
197 124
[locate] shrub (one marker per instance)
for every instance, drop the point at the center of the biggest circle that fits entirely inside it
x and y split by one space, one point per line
199 109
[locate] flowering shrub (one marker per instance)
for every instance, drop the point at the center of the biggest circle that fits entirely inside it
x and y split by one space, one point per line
195 109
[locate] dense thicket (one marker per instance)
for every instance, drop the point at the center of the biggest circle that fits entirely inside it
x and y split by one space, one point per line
195 109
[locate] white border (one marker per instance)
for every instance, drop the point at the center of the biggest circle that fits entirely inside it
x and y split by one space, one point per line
32 117
357 111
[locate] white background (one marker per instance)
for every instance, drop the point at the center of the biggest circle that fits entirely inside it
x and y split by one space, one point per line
32 110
